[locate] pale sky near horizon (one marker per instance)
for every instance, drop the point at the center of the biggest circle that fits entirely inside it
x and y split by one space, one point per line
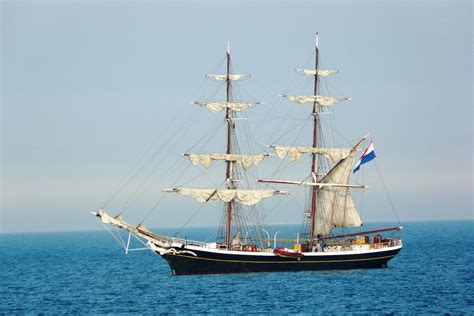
87 87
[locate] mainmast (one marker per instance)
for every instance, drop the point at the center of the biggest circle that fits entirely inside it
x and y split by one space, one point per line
314 161
329 193
229 172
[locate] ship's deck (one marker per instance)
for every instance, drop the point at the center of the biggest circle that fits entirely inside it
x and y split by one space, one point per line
318 251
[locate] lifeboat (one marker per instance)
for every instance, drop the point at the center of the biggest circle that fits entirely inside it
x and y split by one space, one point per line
288 253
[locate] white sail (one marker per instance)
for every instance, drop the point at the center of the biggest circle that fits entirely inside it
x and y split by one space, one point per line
246 161
246 197
321 100
335 205
115 221
234 106
319 72
233 77
294 153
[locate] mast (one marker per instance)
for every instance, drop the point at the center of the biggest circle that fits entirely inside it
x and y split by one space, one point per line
229 149
329 192
231 194
314 162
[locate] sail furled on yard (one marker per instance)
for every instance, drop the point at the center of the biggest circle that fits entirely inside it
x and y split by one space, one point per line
246 197
335 205
313 72
246 161
294 153
234 106
233 77
319 99
115 221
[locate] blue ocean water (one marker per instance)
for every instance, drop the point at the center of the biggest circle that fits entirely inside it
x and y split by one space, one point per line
89 273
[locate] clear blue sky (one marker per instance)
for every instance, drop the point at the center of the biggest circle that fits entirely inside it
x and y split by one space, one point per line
88 86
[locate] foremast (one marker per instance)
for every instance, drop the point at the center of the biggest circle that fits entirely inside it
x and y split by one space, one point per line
231 194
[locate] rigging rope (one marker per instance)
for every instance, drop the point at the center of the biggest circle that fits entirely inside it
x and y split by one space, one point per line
142 165
132 175
392 205
189 219
169 170
153 158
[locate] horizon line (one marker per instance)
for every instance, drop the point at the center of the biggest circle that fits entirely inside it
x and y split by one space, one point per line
276 224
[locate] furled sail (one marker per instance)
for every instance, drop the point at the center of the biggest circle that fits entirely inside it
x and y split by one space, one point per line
234 106
246 161
319 72
246 197
294 153
233 77
115 221
322 100
335 205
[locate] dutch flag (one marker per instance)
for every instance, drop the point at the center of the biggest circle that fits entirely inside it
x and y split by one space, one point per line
367 155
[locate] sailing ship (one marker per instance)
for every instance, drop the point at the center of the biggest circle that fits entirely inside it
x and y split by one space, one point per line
329 200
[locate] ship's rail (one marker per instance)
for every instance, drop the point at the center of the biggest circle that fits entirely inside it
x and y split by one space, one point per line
362 243
365 246
187 242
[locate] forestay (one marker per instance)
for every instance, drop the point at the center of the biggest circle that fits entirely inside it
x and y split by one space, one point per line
246 161
321 100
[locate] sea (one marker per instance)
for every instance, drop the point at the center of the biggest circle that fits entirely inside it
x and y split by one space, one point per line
89 273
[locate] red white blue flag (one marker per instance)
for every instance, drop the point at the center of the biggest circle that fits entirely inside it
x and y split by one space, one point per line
367 155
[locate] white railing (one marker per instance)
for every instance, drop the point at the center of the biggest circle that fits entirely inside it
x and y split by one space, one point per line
188 242
380 245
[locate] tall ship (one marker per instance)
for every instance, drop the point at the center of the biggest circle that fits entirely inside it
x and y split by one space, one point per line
331 237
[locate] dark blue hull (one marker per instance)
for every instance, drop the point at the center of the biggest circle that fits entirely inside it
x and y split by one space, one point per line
206 262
